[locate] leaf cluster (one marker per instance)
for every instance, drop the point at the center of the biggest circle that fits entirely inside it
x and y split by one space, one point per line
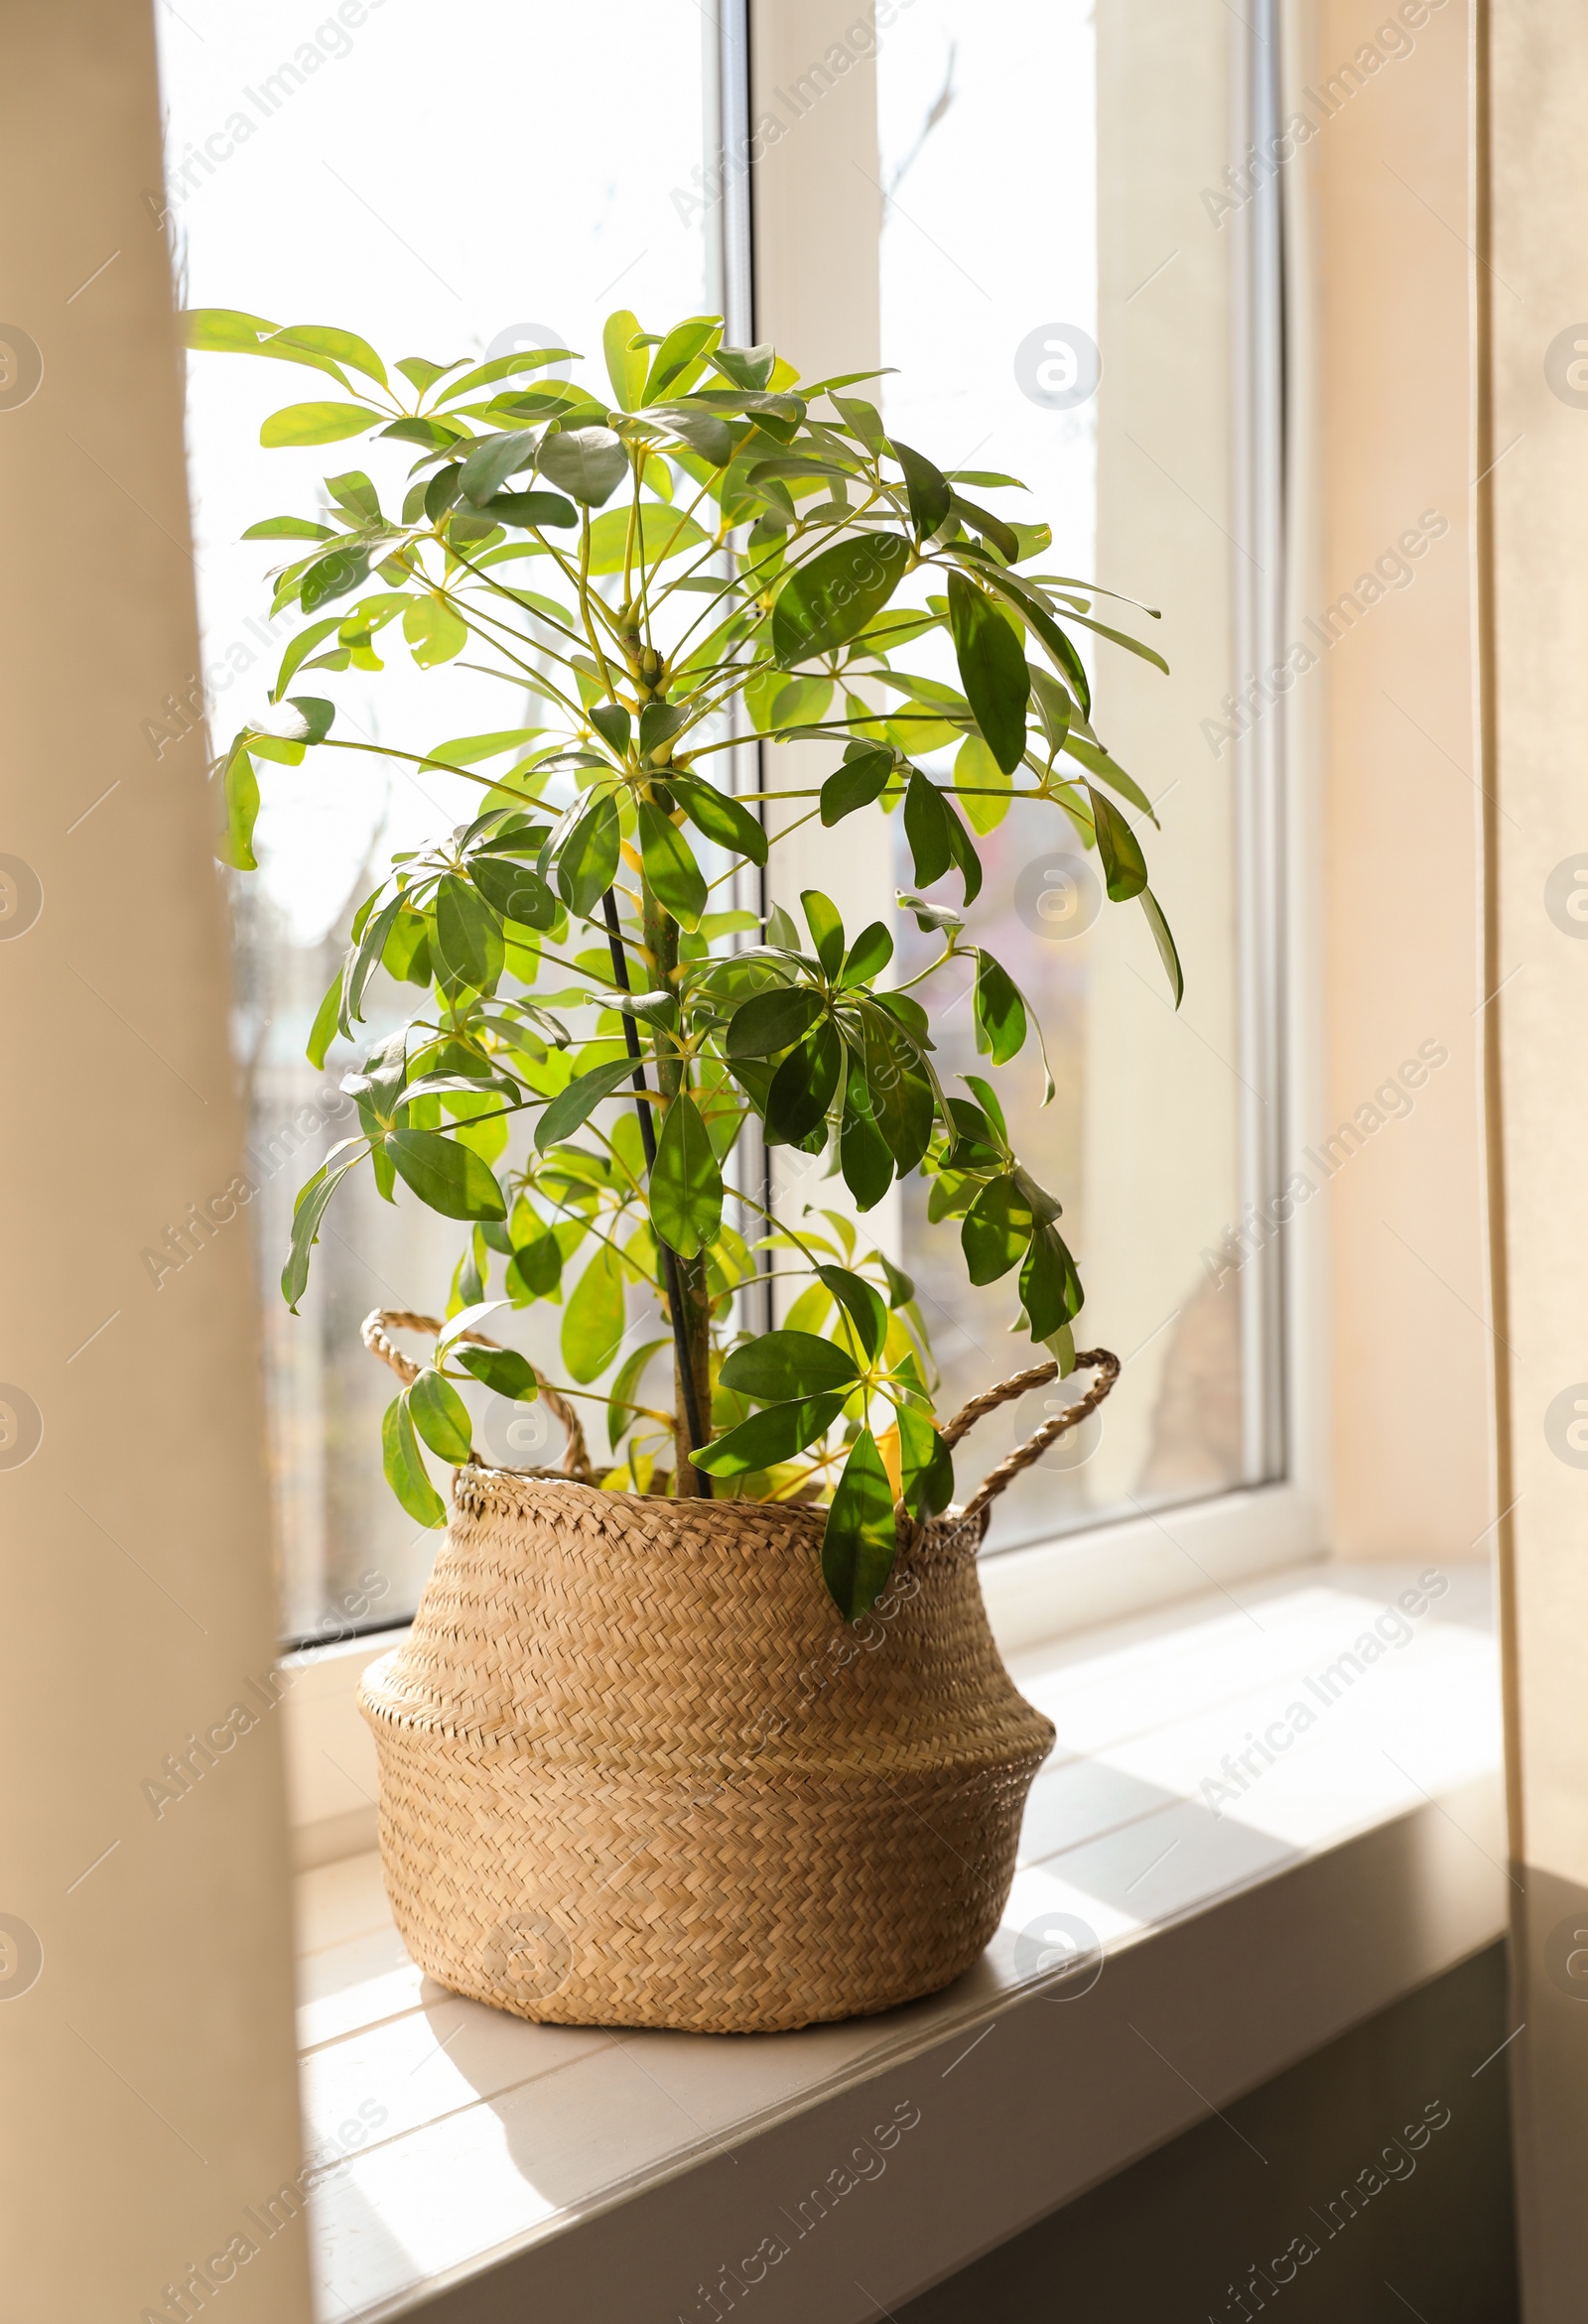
711 547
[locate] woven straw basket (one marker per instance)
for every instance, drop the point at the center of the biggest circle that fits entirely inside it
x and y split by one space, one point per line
635 1769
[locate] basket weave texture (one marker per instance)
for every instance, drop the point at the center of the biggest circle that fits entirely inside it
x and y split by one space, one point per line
635 1769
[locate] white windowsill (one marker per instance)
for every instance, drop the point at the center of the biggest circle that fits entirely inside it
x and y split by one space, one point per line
501 2168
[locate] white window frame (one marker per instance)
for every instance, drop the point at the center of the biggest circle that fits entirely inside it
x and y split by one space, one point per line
1124 1565
1119 1565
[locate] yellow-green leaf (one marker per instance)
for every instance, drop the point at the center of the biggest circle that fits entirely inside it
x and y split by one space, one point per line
434 631
316 423
983 787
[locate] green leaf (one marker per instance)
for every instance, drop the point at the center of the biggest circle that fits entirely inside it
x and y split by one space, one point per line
976 1145
468 940
342 346
491 460
867 957
316 423
434 435
446 1176
361 963
1050 1288
862 419
404 1463
781 933
802 1088
225 330
503 1370
627 365
468 1282
572 1107
930 493
612 724
706 434
592 1322
1164 940
663 532
721 819
659 721
831 599
997 1229
465 750
992 669
588 463
435 632
441 1416
802 467
242 811
789 1364
901 1100
859 1542
1120 637
926 1466
1000 1012
827 929
301 646
307 1213
770 1022
981 785
468 1318
1002 536
747 367
987 1098
856 783
514 889
1108 770
1124 866
1035 612
1054 705
686 1182
621 1413
864 1304
682 357
317 715
588 858
776 1434
531 510
926 828
420 372
324 1030
288 528
671 871
535 1270
500 367
863 1155
900 1287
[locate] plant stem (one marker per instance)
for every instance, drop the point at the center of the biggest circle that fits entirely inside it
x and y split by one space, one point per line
684 1353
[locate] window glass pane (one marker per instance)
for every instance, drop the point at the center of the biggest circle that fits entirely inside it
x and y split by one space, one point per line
1046 219
441 196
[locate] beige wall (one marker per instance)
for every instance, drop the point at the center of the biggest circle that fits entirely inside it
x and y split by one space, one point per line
1534 507
150 2092
1387 195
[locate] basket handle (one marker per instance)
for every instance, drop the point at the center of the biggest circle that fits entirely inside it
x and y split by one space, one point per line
574 1463
384 1319
1096 1359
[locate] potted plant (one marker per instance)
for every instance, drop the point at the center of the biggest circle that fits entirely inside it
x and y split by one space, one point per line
712 1732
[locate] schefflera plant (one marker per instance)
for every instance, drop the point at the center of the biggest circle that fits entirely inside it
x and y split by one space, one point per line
714 547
